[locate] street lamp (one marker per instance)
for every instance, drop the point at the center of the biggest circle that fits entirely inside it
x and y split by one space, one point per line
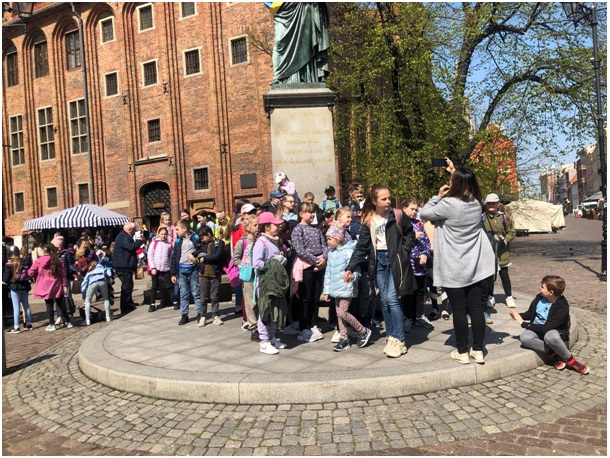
25 10
577 13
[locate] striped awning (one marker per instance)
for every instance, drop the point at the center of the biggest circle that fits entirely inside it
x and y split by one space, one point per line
86 215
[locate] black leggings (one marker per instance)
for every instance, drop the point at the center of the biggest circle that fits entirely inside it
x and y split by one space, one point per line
467 301
310 290
50 303
161 282
508 290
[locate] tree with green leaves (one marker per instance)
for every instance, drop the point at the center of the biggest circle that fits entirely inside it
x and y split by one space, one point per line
423 80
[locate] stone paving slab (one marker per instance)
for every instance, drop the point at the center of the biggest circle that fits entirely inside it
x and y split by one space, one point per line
73 406
149 354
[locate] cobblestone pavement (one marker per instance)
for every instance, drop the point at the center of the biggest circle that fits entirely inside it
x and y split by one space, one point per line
50 407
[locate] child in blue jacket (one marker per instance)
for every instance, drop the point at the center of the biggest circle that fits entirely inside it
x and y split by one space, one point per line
343 292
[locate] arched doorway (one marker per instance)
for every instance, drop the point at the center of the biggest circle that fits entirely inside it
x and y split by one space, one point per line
155 200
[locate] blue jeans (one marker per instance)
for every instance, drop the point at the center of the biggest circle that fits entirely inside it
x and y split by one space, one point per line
390 305
189 284
20 297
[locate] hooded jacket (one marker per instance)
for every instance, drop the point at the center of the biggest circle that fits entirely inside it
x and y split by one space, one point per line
400 240
335 268
47 286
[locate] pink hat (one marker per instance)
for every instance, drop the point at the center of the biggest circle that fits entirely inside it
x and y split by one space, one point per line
57 241
336 231
268 217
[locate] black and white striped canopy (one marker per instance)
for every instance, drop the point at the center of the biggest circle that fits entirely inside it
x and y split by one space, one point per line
86 215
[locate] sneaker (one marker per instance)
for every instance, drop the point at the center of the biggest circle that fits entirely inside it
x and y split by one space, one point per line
152 308
491 301
305 335
183 320
268 349
336 337
461 358
510 302
108 319
406 325
29 327
364 338
342 345
237 310
201 322
13 331
217 321
316 334
423 322
50 327
85 323
388 343
245 326
277 343
176 307
397 348
477 356
488 319
445 315
69 325
376 322
558 362
577 366
433 315
58 321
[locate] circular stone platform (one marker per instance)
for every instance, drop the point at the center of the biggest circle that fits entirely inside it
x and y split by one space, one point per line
149 354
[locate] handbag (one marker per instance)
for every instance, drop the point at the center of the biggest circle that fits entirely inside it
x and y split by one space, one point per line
233 273
68 303
246 273
96 315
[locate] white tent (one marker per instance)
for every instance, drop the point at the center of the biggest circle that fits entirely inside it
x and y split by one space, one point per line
85 215
536 216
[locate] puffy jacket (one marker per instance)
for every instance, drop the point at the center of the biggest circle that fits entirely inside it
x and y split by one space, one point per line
400 240
498 225
124 255
335 268
159 255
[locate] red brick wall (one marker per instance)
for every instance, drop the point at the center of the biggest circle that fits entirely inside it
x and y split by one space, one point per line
198 113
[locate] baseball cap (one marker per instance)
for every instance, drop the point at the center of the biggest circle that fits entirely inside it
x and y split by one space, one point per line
491 198
247 208
329 189
276 195
268 217
279 177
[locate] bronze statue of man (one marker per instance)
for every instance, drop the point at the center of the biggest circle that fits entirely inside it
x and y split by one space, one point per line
300 51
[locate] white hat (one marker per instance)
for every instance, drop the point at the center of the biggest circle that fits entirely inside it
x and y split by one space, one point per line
246 208
491 198
279 176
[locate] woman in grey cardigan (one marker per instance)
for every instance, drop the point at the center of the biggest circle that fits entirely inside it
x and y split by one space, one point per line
463 257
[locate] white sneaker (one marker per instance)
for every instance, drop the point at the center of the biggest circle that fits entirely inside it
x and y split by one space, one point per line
510 302
305 335
108 319
50 327
69 325
316 334
277 343
268 349
201 323
491 301
336 337
58 321
217 321
85 323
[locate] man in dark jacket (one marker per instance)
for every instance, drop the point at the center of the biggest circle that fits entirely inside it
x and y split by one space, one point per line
124 263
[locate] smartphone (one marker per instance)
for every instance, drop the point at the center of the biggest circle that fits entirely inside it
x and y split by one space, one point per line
439 162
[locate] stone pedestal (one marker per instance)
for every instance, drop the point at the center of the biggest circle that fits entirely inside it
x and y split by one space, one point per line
302 139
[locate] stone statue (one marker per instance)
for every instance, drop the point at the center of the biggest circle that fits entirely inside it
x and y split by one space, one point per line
300 51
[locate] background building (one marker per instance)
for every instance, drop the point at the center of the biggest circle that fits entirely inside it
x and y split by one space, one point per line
175 109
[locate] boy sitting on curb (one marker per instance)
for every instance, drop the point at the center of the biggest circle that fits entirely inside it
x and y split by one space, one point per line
547 324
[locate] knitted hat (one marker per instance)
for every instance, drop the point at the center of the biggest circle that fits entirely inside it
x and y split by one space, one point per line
336 231
57 241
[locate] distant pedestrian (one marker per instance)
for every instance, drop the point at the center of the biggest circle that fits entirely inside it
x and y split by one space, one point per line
331 203
51 284
546 325
15 275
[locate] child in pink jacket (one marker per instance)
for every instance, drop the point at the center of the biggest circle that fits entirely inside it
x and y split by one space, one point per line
51 284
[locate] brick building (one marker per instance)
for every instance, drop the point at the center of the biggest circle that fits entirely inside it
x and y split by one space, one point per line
175 107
